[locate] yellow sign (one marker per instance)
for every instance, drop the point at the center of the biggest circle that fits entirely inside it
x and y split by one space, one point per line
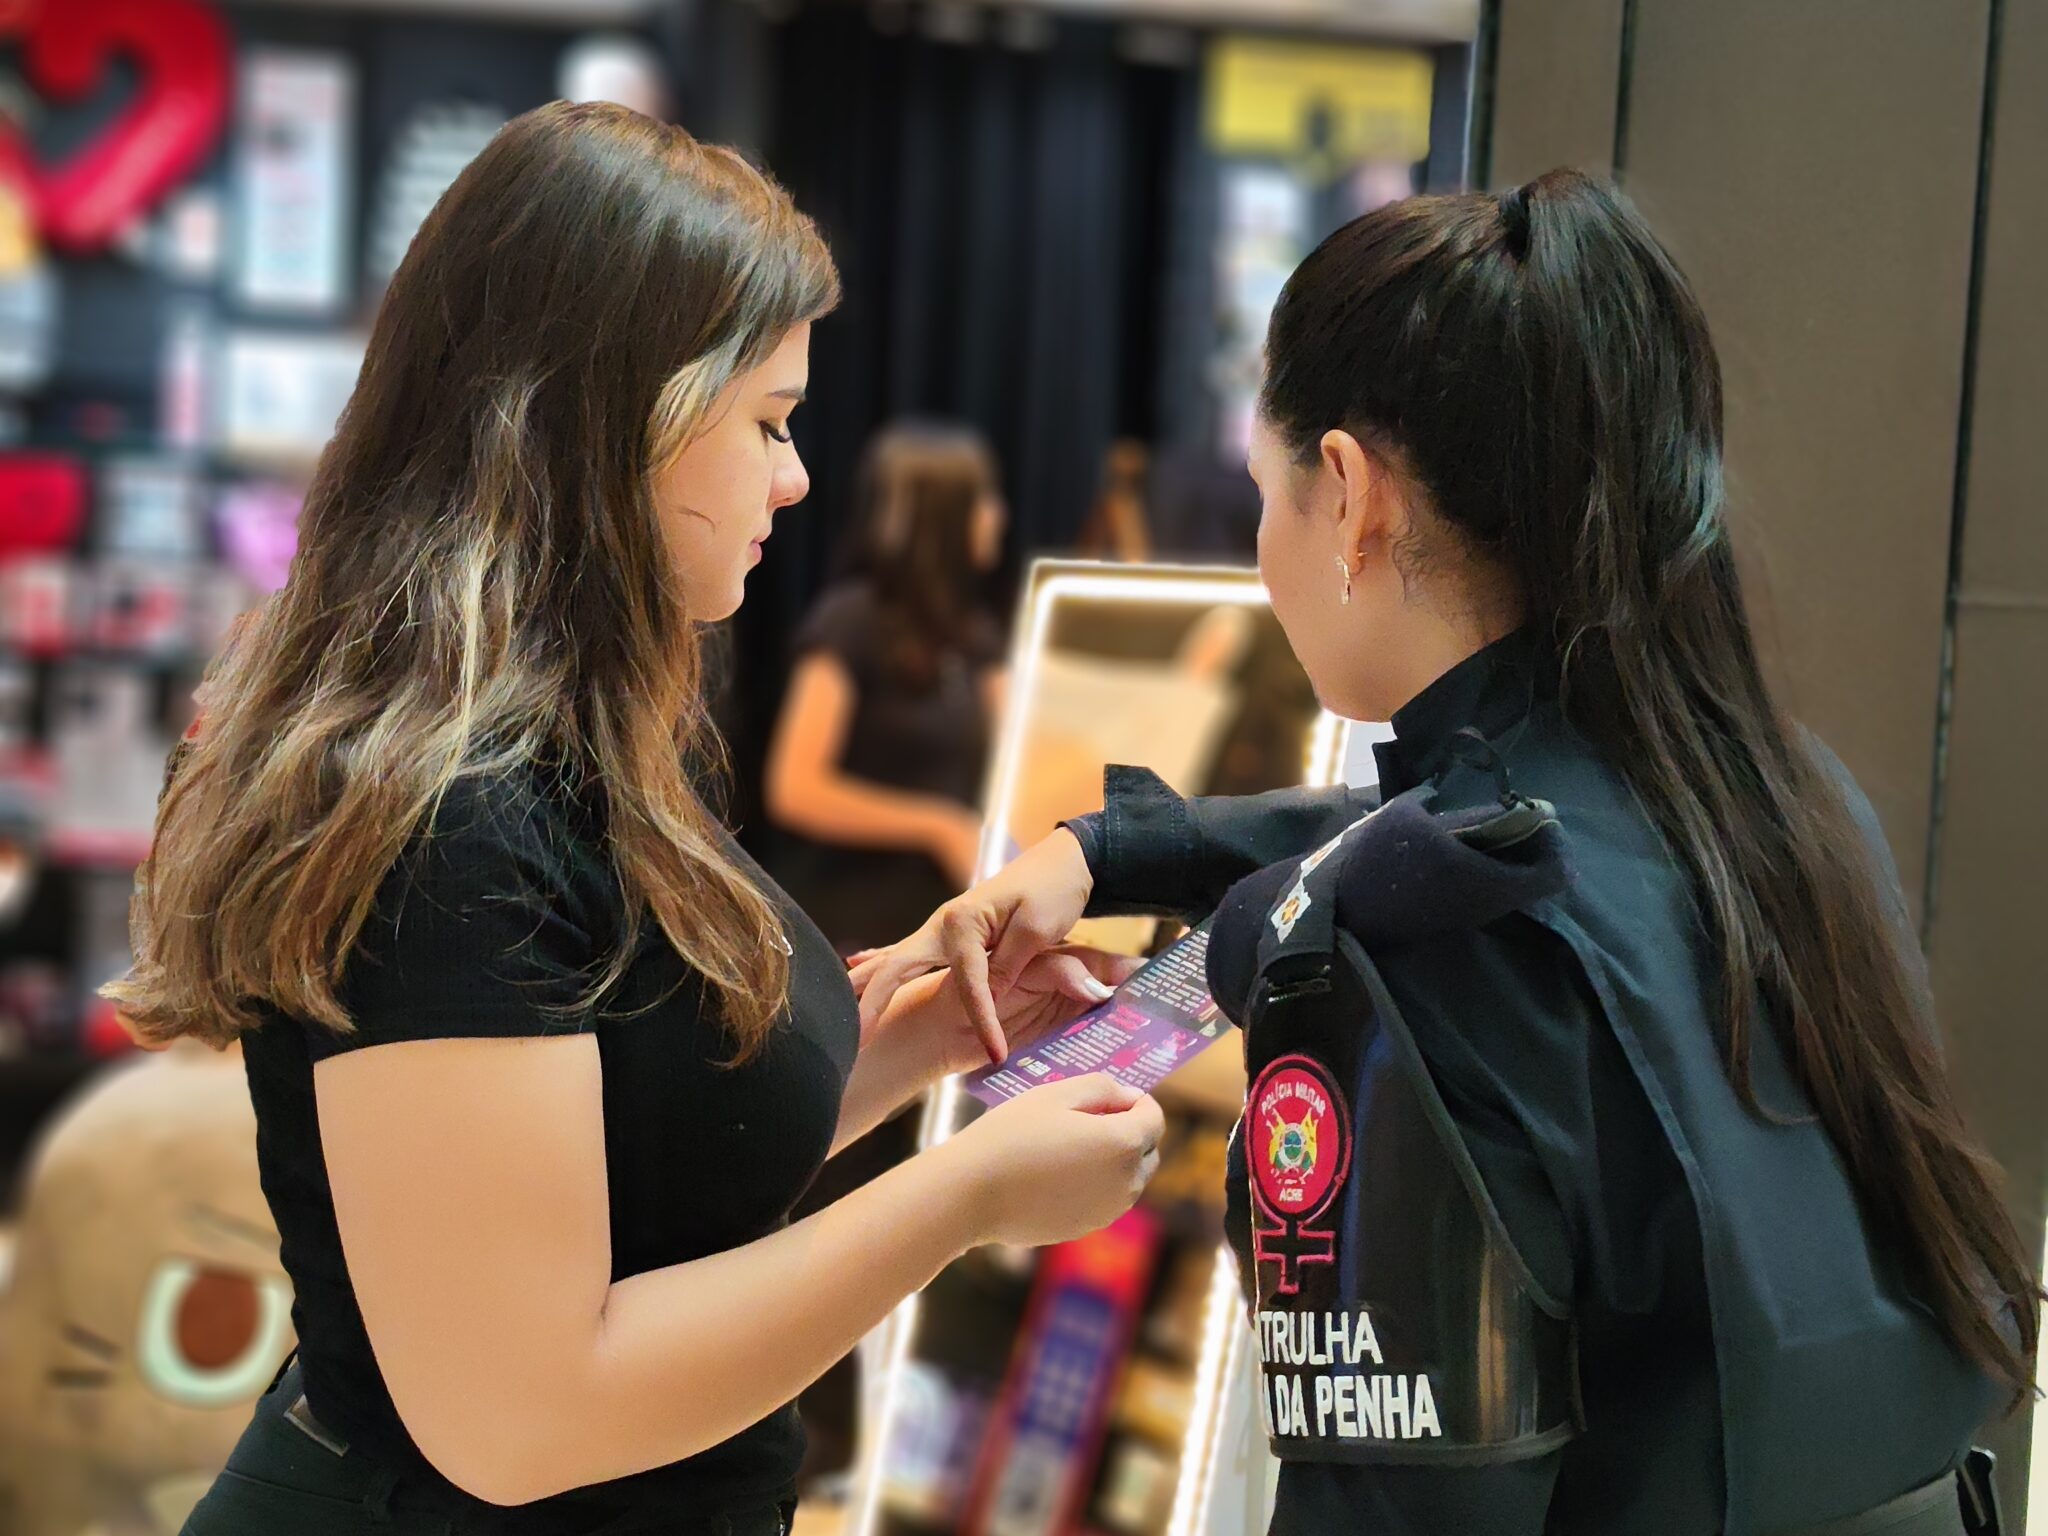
1328 104
17 231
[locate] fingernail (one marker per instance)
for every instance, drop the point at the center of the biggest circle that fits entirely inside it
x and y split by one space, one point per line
1101 991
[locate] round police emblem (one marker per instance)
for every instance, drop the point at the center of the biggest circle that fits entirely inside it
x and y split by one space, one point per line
1297 1136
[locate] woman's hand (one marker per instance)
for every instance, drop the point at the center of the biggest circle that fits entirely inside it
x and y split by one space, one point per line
986 936
926 1033
1061 1161
1056 988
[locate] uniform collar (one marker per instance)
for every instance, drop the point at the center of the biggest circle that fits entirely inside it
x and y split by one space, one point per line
1490 691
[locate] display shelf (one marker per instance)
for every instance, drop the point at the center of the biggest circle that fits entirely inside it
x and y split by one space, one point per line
86 848
185 658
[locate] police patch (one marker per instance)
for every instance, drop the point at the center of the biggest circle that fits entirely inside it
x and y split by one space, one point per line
1297 1141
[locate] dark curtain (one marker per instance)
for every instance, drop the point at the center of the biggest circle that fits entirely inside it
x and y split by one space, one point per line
1000 213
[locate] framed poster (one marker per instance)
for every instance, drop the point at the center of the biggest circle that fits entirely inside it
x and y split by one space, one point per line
292 180
281 393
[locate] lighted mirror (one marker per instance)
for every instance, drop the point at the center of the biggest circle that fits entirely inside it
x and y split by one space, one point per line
1034 1392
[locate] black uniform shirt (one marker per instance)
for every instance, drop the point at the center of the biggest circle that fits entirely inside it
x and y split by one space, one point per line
1748 1361
506 911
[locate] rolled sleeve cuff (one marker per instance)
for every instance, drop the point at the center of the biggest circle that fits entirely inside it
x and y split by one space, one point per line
1087 832
1141 847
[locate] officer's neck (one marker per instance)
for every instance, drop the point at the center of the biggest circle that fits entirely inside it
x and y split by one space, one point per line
1435 641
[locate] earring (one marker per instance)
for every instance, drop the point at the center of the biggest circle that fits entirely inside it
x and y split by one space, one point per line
1344 566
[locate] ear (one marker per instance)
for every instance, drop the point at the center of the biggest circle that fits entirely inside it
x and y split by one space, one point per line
1371 516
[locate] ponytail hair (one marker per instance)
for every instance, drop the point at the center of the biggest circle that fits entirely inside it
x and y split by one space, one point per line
1542 370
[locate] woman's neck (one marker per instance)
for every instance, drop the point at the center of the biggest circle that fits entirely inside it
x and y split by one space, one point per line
1435 640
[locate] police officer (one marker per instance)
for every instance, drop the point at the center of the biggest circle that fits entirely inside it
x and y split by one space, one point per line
1598 1170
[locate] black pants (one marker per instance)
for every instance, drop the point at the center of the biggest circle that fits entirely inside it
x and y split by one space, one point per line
280 1481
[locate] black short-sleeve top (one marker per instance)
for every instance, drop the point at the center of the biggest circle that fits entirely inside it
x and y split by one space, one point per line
496 922
930 737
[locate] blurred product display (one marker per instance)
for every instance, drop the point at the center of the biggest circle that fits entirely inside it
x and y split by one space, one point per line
430 150
28 293
292 171
179 51
142 1307
1046 1431
615 66
45 496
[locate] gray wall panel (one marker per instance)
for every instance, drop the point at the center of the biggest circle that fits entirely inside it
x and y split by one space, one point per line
2005 549
1814 168
1987 940
1559 62
1992 845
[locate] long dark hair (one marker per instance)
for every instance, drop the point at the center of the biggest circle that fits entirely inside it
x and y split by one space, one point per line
1539 367
921 486
482 584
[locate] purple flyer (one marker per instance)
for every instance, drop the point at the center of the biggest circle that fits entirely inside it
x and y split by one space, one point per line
1162 1017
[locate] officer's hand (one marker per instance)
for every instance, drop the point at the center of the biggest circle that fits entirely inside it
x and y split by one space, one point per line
1061 1161
986 936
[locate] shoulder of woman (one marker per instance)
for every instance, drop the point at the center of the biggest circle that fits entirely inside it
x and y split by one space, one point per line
491 922
852 597
502 836
841 618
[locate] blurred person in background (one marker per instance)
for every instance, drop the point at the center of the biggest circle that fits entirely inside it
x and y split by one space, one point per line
877 762
1118 526
1736 1264
540 1060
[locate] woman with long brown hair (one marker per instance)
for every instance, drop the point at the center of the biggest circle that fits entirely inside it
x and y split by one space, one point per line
878 757
1599 1172
540 1060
